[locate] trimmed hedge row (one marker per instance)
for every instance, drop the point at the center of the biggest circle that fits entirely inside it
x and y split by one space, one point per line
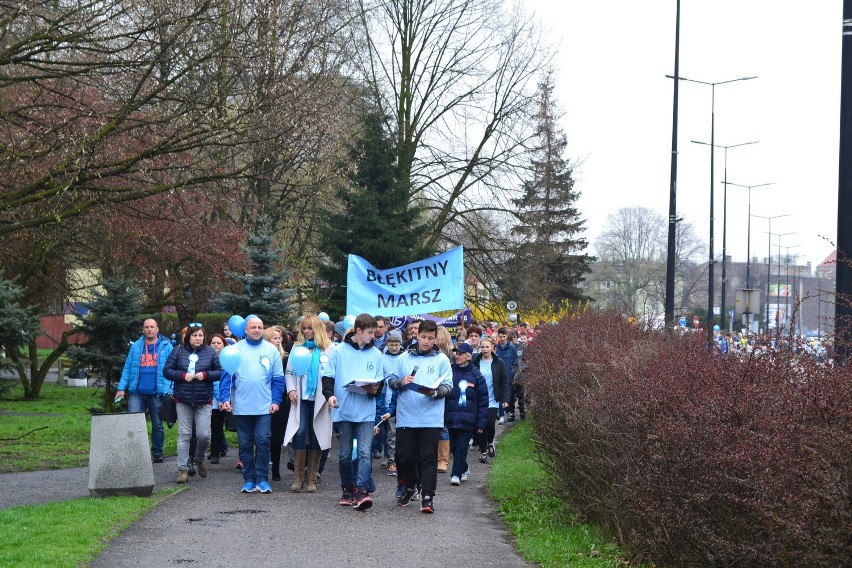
691 458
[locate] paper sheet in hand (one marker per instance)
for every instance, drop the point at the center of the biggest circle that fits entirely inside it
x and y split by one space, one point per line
415 386
358 384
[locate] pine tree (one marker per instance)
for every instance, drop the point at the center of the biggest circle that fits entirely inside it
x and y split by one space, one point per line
18 325
548 262
112 324
263 293
375 220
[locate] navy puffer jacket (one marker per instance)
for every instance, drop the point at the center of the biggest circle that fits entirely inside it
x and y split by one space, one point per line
193 392
474 414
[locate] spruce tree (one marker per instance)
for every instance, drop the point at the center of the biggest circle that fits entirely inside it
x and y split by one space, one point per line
548 262
375 220
19 324
114 321
263 293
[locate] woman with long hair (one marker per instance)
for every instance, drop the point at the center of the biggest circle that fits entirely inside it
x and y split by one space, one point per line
497 380
309 424
277 336
193 367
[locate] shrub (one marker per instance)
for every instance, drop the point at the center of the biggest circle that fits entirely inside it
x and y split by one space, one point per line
693 458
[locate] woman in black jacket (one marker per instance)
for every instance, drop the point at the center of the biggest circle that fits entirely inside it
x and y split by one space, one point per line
497 379
193 367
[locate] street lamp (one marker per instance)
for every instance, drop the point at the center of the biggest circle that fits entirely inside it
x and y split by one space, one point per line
725 221
748 238
787 285
711 260
769 260
778 288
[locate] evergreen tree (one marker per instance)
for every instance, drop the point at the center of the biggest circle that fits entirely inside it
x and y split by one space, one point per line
19 324
375 220
112 324
263 292
548 262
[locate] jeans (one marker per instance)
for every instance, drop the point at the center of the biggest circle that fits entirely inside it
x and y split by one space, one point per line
151 403
417 458
189 416
306 438
459 440
254 432
363 433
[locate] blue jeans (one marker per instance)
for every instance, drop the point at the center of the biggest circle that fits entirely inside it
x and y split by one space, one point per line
306 438
188 417
459 440
363 433
254 432
151 403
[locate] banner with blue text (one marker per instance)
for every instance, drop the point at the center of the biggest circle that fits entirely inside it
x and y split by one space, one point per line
429 285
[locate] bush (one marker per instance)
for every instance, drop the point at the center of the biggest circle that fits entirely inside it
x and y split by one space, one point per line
690 458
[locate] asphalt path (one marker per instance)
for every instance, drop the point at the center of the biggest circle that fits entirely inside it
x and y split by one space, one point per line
213 524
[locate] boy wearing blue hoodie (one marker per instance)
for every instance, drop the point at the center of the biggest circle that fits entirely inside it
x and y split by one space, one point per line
354 413
420 414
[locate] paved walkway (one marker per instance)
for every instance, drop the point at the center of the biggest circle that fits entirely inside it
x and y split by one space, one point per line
211 524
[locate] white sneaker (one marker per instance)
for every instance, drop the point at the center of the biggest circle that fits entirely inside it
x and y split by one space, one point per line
454 480
502 420
465 475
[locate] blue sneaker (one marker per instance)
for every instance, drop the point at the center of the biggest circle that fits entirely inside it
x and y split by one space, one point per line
264 487
249 487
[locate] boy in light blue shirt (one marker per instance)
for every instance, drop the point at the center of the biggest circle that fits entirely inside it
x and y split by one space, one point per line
420 414
354 413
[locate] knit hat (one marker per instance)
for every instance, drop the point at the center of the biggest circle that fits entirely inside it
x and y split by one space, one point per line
394 335
340 329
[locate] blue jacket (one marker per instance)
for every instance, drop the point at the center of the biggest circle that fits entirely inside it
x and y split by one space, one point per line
473 415
509 356
193 392
130 373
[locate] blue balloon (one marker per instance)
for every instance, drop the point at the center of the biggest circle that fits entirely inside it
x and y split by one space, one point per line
229 358
300 360
349 321
323 316
237 325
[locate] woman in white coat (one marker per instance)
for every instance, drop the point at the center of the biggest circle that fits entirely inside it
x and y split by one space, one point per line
309 424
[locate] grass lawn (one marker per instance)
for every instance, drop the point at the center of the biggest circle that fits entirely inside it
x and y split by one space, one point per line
53 431
546 531
68 533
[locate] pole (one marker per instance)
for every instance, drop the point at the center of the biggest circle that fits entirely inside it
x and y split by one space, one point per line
725 241
711 319
670 256
748 243
843 305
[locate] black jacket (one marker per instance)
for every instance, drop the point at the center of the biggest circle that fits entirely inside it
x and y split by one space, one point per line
500 378
194 392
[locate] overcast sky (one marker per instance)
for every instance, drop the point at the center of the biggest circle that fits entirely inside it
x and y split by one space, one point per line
610 81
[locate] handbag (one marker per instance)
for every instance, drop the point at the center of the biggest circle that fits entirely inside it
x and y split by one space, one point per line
168 410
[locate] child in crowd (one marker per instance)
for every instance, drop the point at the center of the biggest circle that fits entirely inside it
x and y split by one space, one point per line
420 414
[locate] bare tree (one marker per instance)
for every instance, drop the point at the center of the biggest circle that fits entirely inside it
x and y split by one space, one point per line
631 268
458 78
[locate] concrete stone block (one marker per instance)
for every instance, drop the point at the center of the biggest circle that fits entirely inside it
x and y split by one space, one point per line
119 456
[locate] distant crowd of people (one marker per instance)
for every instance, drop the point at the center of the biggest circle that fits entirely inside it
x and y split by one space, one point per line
410 397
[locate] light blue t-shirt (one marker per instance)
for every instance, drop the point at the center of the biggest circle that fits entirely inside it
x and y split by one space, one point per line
485 369
415 410
345 365
259 379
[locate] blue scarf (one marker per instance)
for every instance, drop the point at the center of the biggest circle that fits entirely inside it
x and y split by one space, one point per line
253 342
313 370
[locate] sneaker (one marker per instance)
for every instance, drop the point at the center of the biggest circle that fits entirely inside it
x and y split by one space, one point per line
465 476
191 468
239 465
214 460
183 476
400 489
264 487
501 420
406 496
511 418
426 506
492 451
202 469
362 501
249 487
483 457
158 459
392 470
416 495
377 455
347 499
454 480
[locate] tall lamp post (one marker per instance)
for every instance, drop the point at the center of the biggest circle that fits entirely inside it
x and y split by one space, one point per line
787 282
778 294
724 220
769 260
748 237
711 259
